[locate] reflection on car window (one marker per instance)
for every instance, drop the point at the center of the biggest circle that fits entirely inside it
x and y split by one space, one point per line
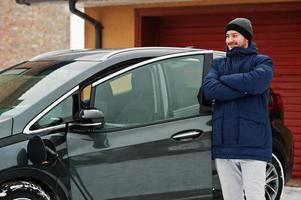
122 84
129 99
19 83
183 79
58 115
86 93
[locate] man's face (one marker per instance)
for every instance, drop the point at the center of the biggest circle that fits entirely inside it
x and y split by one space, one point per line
235 39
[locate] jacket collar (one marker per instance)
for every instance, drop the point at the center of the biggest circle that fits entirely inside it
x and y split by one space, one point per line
252 49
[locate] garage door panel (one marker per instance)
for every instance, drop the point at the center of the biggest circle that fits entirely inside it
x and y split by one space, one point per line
280 28
276 51
192 38
272 18
291 93
196 20
292 100
283 61
191 31
293 78
286 85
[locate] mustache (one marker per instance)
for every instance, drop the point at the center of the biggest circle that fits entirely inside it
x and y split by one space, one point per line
232 43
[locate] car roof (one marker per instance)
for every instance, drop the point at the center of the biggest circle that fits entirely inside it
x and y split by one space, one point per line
105 54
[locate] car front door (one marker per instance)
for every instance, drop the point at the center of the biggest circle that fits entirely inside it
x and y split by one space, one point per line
156 140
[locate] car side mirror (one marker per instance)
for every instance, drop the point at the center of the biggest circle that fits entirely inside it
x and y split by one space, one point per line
88 118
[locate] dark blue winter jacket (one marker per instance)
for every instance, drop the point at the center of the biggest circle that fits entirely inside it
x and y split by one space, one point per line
239 85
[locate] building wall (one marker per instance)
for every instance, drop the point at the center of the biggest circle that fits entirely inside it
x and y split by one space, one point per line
119 21
26 31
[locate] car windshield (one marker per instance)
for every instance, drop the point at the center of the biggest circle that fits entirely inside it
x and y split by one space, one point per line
20 84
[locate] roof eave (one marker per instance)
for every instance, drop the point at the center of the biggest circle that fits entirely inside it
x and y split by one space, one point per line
102 2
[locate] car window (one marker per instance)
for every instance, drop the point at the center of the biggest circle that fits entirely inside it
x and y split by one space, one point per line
183 78
58 115
162 90
129 99
23 85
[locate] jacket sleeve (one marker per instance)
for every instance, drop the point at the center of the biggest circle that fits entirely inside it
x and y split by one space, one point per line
215 90
254 82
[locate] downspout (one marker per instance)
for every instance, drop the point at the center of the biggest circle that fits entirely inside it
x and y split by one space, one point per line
97 25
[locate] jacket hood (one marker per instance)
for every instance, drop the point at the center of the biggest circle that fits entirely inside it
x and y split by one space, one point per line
252 49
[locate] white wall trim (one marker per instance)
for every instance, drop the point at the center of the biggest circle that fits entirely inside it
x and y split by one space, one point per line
77 30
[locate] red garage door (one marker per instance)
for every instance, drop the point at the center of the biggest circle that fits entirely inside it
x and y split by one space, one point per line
277 29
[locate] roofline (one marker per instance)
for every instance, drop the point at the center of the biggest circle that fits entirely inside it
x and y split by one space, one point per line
57 52
108 53
114 53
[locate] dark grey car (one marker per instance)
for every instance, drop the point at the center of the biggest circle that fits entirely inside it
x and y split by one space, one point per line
115 124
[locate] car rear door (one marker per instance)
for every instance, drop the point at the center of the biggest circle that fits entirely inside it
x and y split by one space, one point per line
156 140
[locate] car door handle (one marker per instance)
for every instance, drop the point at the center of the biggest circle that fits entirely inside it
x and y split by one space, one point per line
187 135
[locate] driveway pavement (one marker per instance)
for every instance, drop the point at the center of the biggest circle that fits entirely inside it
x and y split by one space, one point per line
291 193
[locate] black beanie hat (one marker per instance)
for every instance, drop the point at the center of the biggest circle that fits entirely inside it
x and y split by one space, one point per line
241 25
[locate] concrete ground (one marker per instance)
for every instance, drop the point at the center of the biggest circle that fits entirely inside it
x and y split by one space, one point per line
291 193
292 190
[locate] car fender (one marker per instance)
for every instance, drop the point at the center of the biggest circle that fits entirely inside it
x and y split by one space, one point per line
43 178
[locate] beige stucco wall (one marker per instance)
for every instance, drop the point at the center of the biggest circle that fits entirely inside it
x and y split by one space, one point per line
26 31
119 21
118 25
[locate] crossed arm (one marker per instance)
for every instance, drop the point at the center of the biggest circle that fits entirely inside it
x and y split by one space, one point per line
254 82
214 89
233 86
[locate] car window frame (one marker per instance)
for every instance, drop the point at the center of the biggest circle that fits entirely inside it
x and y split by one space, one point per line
77 89
149 61
207 59
27 129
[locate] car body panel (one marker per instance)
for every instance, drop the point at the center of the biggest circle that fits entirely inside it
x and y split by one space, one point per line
142 162
6 124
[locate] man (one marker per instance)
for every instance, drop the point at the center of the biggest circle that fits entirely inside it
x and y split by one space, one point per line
241 139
